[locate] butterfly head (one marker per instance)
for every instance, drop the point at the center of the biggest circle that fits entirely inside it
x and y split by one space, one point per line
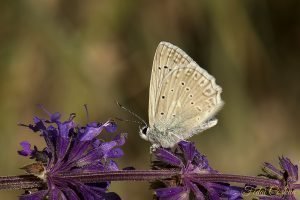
144 132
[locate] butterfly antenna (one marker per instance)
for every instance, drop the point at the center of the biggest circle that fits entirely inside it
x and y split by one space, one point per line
126 120
132 113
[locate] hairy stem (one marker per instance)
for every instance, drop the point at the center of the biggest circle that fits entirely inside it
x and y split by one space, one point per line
251 180
123 175
30 181
20 182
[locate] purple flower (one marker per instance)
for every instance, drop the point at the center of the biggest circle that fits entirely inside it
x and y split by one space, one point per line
190 162
287 175
71 149
26 151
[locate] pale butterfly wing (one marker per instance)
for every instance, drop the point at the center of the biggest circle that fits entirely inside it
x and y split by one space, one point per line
183 97
189 100
167 57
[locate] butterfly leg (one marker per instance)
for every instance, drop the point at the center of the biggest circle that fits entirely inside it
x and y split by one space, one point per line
154 147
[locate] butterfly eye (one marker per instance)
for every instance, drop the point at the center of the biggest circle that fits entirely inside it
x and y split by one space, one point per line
144 130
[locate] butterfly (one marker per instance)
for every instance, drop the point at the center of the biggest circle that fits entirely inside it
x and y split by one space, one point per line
183 98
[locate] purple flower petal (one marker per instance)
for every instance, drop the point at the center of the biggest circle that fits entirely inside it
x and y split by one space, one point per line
188 150
111 166
91 157
197 192
110 126
172 193
234 193
202 162
115 153
91 132
89 192
70 194
120 139
38 125
55 193
26 151
290 168
94 124
271 170
55 117
168 157
65 127
95 167
62 145
77 151
107 147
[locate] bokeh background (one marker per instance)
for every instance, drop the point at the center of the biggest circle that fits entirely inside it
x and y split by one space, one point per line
63 54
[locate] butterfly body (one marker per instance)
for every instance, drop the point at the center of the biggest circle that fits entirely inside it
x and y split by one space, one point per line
183 98
162 136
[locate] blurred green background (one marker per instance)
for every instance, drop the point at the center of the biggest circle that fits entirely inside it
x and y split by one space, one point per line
63 54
